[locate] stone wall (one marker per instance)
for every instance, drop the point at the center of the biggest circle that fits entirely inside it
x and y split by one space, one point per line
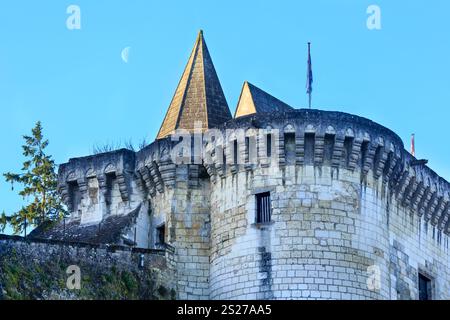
350 201
38 270
346 200
326 235
190 232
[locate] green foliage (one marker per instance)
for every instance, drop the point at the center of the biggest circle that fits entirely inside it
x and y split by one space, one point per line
24 276
129 281
3 221
38 179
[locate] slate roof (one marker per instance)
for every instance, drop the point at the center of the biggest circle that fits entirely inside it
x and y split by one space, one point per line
254 100
198 97
108 231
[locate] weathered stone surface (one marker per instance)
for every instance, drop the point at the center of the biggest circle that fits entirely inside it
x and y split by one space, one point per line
343 199
38 270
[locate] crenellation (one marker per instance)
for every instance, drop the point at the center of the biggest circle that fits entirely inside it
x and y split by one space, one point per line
167 173
409 192
155 174
443 217
432 204
370 157
149 184
210 163
300 147
319 148
417 196
402 184
123 181
440 208
355 154
280 149
392 165
63 190
380 161
338 151
424 201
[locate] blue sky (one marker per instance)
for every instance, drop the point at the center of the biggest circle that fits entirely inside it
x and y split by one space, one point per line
76 83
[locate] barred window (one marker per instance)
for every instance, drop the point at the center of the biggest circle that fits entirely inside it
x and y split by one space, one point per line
263 207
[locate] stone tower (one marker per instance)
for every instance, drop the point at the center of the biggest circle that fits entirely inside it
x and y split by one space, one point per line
277 203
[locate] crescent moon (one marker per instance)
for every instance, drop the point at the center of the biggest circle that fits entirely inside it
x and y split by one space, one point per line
125 54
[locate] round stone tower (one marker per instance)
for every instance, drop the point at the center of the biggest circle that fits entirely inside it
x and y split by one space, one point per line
311 207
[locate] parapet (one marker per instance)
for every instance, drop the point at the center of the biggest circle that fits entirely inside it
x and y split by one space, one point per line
74 176
339 140
299 137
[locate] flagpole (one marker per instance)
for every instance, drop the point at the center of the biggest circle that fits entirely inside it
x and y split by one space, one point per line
309 100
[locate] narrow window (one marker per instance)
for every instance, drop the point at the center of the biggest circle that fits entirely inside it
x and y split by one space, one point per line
235 152
161 235
424 287
111 183
269 145
328 148
310 141
251 149
247 149
263 207
364 152
74 196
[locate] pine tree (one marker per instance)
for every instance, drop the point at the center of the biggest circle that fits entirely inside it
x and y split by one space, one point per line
3 221
39 180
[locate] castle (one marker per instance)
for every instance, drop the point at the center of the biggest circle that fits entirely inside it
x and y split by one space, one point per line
273 203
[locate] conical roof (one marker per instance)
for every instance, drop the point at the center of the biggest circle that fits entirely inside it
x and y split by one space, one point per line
254 100
199 96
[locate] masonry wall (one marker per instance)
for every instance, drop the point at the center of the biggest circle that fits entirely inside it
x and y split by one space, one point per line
185 211
190 225
349 205
328 229
415 245
37 270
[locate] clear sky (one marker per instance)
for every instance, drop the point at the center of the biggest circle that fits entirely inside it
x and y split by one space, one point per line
77 84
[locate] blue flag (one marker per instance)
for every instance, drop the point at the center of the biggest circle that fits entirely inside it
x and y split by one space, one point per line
309 74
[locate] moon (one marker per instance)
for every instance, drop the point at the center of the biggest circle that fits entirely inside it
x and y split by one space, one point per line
125 54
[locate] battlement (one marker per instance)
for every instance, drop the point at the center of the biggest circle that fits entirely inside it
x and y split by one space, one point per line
300 137
96 172
339 140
